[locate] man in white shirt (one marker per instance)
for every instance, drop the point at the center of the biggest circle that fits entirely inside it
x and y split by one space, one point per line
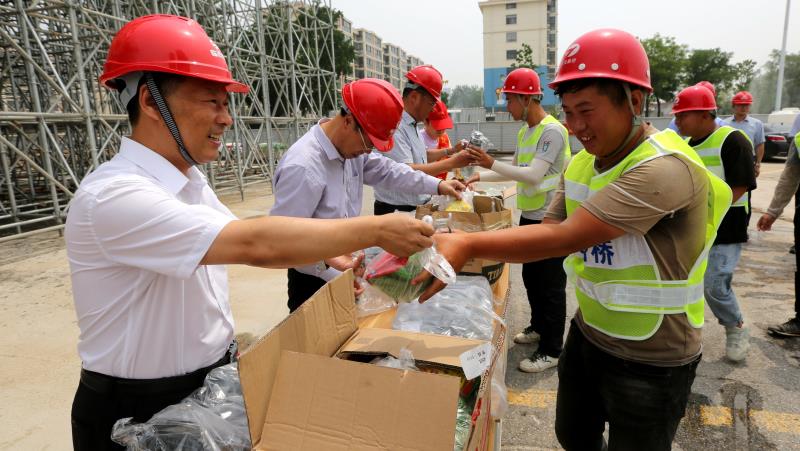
147 238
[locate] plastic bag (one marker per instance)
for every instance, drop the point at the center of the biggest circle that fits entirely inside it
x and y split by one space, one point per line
404 362
213 417
435 263
463 423
372 300
463 309
393 275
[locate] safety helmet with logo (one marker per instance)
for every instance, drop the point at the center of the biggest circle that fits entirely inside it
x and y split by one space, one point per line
164 43
708 85
440 117
522 81
694 98
426 77
742 98
605 53
377 107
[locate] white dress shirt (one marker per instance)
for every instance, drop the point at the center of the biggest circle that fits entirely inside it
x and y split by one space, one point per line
136 231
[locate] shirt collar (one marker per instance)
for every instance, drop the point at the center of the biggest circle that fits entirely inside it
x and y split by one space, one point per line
408 119
157 166
325 142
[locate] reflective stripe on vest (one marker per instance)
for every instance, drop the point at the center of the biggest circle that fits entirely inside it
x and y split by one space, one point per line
534 197
710 151
617 283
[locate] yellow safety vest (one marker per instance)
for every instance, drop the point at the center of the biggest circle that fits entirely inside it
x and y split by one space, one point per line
533 197
617 283
710 151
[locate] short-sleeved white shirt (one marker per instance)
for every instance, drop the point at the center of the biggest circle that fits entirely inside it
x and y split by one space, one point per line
136 232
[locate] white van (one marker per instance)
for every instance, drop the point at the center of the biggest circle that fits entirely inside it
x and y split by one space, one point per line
782 120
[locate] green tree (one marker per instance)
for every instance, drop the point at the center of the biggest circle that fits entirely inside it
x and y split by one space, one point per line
745 73
524 58
713 65
764 85
466 96
667 64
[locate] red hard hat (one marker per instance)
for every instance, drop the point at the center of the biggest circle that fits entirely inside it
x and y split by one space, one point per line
166 43
522 81
428 77
708 85
742 98
694 98
605 53
377 107
439 117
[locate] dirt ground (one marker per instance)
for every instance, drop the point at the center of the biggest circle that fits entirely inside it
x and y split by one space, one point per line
41 366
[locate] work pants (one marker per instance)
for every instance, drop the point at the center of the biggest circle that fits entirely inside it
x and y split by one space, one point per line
301 288
546 283
722 261
101 400
643 404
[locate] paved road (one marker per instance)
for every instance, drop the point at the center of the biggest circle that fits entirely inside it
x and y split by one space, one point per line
752 405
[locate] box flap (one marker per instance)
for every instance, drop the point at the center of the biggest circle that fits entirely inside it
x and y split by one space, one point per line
325 403
320 326
439 349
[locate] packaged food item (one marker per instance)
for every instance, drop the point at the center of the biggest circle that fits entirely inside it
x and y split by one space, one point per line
459 205
393 275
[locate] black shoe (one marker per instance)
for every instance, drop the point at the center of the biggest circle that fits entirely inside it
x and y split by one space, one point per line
790 328
791 249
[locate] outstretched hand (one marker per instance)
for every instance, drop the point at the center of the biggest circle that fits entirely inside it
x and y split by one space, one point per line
455 249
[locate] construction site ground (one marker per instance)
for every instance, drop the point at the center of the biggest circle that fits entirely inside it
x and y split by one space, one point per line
750 405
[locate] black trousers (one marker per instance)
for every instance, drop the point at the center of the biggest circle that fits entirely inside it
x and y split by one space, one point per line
382 208
643 404
546 284
301 287
101 400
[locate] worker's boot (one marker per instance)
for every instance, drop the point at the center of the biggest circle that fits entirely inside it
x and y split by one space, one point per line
790 328
527 337
737 342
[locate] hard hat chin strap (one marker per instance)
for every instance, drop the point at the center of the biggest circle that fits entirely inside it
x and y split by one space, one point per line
167 116
637 119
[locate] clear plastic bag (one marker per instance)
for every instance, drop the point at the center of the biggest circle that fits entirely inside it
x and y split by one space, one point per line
463 423
211 418
404 362
393 275
372 300
462 309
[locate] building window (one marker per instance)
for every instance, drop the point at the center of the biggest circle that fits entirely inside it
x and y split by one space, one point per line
511 6
511 19
511 36
511 54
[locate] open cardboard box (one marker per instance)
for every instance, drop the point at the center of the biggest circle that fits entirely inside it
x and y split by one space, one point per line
299 395
490 214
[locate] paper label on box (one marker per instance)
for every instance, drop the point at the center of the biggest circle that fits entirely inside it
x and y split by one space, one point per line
475 361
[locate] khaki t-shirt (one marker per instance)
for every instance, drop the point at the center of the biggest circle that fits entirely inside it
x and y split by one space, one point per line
665 200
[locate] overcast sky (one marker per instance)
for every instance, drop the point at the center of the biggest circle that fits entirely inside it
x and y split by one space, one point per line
449 33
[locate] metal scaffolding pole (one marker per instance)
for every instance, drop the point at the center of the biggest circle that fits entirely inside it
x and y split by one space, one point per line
58 124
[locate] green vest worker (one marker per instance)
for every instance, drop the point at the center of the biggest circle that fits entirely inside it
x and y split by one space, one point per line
541 155
637 213
728 153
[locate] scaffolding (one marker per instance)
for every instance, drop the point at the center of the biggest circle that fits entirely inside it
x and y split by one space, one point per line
57 123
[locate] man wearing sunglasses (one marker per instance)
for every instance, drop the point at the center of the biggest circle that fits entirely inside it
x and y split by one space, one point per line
422 90
322 175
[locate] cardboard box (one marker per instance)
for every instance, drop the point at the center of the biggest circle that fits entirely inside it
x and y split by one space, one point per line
490 214
299 395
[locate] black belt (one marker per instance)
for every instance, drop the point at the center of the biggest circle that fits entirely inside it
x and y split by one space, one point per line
396 207
107 385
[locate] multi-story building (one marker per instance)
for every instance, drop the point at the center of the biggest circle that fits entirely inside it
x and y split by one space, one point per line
344 25
394 65
369 54
412 61
506 26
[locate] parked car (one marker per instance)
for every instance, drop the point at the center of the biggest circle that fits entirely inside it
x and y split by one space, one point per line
776 141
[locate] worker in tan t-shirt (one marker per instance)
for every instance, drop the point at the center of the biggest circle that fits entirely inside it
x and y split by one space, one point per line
631 213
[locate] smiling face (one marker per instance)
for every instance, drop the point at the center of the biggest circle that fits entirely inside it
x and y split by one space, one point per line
200 109
599 123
